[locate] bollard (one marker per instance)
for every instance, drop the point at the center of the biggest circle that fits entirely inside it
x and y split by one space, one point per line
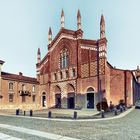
24 113
31 112
121 109
102 113
49 114
115 111
124 108
17 111
75 115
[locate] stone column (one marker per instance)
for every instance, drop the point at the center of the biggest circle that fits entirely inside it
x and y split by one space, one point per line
64 100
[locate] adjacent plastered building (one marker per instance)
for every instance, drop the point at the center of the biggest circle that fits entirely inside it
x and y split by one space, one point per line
18 91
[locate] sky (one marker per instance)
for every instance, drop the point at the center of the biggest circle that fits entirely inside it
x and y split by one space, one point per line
24 26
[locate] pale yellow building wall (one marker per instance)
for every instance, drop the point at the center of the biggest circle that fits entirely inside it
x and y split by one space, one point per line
17 99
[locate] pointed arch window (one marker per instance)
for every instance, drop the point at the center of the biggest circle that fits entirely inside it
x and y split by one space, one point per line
73 72
64 59
61 75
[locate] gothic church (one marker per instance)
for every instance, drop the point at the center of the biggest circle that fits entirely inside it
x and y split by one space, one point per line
75 72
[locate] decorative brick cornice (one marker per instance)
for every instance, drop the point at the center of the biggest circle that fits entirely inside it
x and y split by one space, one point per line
88 42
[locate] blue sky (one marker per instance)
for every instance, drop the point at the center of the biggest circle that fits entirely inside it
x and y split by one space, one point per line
24 27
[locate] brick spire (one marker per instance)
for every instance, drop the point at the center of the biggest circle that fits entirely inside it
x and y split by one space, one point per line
62 19
138 68
50 35
38 56
38 52
78 20
102 27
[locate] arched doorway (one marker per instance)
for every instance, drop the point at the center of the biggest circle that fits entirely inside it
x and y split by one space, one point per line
71 96
44 103
90 98
57 97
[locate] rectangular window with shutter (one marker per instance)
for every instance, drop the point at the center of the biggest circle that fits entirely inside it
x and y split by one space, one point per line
11 97
33 98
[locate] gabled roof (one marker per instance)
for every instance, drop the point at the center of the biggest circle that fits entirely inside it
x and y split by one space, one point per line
19 78
109 65
117 68
63 31
42 61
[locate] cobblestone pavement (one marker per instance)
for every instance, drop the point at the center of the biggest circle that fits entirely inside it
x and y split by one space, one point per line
127 128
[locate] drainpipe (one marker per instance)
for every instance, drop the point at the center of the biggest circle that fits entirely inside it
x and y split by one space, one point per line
77 76
98 73
125 87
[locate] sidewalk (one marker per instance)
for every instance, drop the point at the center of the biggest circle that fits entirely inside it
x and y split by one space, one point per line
71 120
46 135
56 113
7 137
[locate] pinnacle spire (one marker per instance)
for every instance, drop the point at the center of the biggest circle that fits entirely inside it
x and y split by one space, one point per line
138 68
78 14
102 27
38 52
38 56
62 19
50 31
102 19
50 35
78 20
62 13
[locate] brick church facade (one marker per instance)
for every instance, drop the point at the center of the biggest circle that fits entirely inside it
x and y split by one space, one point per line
75 73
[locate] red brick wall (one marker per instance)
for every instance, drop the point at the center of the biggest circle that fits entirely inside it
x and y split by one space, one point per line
129 88
55 53
112 80
121 86
116 85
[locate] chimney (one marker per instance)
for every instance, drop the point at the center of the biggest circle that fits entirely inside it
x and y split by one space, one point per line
20 73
